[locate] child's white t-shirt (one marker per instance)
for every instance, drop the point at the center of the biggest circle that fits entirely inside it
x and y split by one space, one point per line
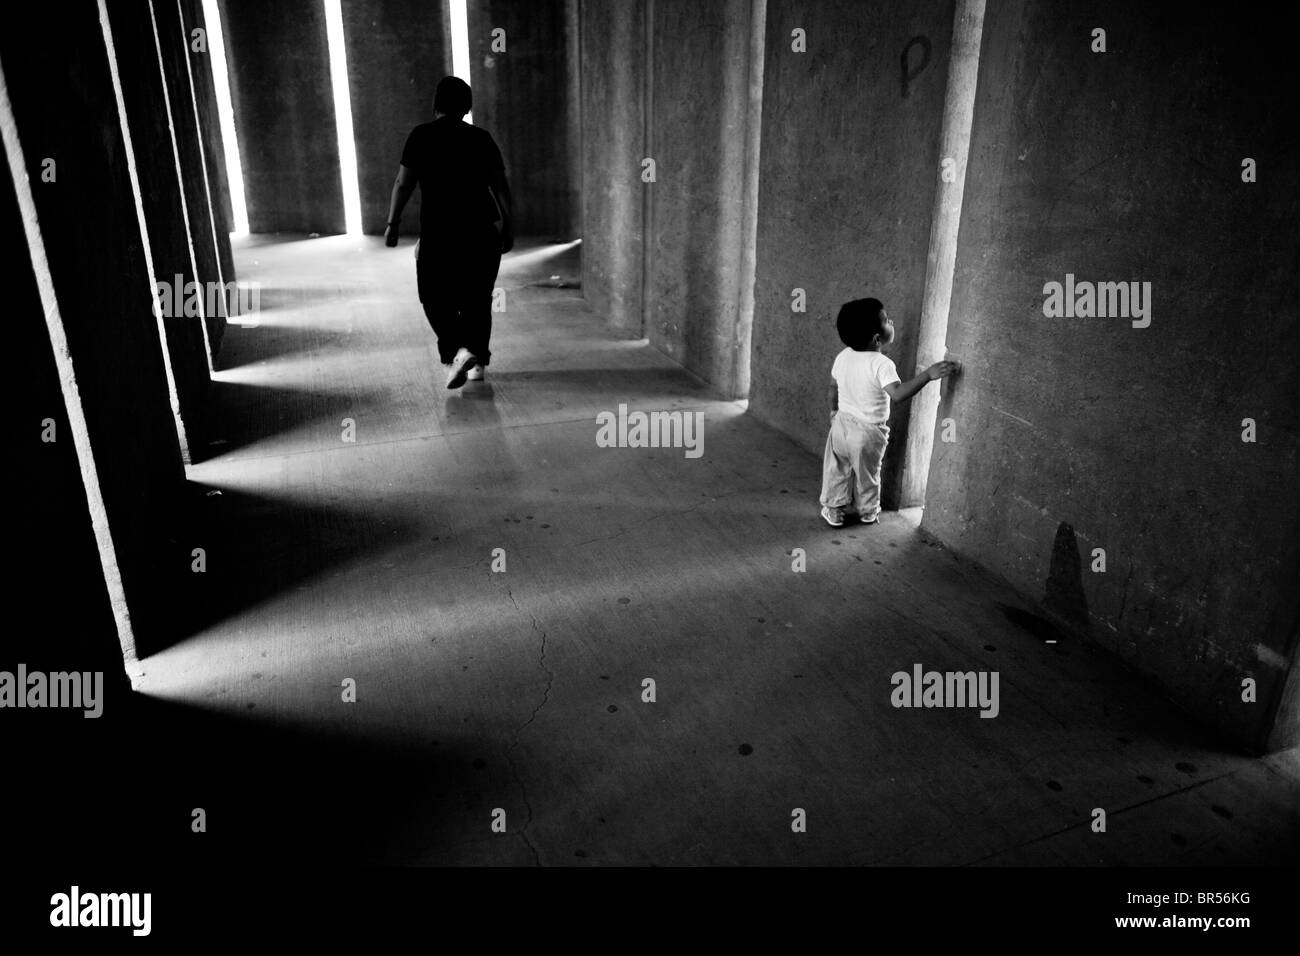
862 377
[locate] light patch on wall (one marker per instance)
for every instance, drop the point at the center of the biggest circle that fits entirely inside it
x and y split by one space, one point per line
460 45
1270 657
343 117
226 116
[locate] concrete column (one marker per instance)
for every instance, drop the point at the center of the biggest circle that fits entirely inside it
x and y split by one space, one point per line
70 169
613 50
52 530
749 225
958 110
573 117
148 111
212 149
649 152
174 42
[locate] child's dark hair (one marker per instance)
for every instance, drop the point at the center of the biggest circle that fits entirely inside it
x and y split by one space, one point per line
859 321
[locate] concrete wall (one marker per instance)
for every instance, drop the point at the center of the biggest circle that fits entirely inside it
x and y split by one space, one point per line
613 57
668 80
398 50
848 171
698 106
845 185
1084 433
521 97
278 57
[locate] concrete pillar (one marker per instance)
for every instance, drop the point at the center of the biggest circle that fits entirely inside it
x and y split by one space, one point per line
174 42
613 49
278 58
749 224
148 112
71 174
212 150
52 529
958 110
397 51
649 172
573 96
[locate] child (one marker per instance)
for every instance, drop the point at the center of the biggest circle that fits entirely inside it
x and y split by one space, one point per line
863 381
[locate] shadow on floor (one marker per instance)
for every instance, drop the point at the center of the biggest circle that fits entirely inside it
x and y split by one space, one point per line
254 547
274 336
243 414
272 794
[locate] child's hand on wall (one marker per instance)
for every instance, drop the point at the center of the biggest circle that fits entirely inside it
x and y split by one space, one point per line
942 369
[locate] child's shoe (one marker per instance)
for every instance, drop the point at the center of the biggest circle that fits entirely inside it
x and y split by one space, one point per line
833 516
475 374
874 519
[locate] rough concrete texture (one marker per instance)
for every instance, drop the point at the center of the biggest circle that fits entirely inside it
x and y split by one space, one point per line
398 50
521 98
99 273
699 104
613 39
217 183
848 171
521 689
668 81
205 236
1075 434
162 200
278 57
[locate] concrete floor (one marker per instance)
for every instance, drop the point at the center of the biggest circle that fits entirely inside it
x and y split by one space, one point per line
521 690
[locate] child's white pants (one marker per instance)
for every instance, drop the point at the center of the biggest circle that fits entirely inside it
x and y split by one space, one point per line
851 464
